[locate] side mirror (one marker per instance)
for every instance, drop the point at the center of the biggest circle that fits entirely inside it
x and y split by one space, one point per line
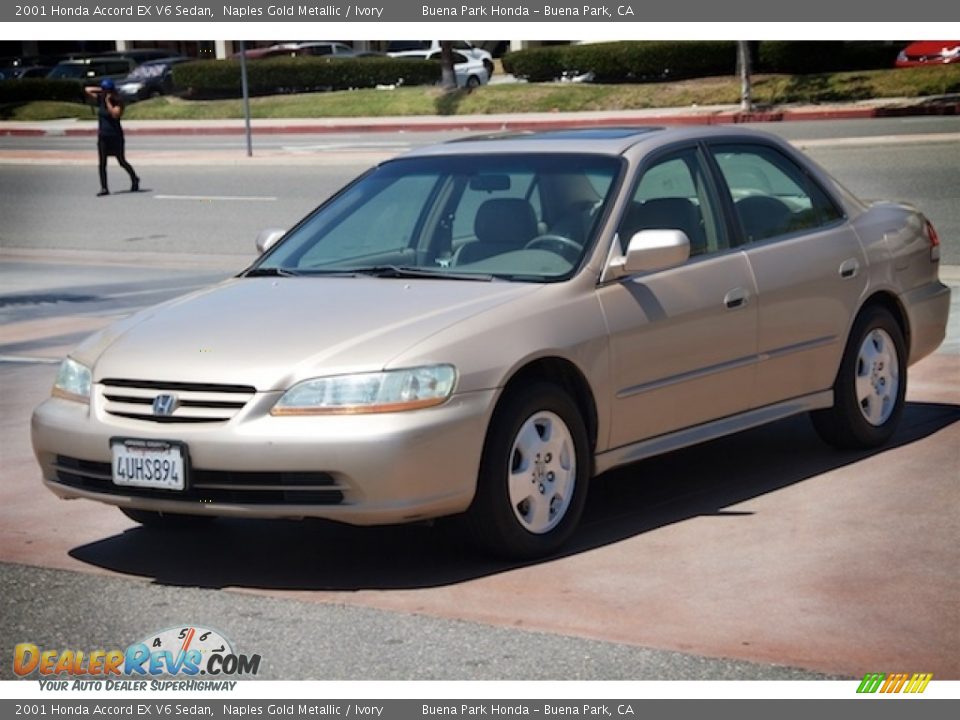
266 239
653 250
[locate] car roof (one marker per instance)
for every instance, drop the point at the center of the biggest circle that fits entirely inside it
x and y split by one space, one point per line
590 140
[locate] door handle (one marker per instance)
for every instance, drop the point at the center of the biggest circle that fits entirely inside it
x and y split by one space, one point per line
849 268
736 298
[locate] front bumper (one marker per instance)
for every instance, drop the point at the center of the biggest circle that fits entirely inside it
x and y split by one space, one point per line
359 469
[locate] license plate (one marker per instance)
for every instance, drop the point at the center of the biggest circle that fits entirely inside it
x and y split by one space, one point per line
148 464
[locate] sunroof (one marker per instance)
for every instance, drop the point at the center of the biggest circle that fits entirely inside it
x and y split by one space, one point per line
597 133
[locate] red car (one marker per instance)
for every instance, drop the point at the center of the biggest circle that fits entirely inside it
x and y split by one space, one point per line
929 52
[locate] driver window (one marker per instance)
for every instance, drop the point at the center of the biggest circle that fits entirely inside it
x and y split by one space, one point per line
673 195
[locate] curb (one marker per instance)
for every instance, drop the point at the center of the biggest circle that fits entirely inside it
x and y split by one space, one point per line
430 124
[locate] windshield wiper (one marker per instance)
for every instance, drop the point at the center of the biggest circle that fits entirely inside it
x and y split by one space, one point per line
400 271
271 272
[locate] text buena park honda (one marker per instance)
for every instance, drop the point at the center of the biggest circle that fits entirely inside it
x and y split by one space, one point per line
499 709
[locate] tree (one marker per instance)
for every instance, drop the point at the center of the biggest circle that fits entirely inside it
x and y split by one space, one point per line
448 79
743 63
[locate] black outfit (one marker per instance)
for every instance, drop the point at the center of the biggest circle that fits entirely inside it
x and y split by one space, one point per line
110 142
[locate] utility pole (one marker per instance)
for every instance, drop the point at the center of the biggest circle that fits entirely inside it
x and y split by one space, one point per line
448 79
743 63
245 90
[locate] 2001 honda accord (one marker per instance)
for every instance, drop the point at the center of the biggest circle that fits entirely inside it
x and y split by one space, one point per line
479 327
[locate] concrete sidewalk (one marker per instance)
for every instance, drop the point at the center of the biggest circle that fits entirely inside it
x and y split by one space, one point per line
707 114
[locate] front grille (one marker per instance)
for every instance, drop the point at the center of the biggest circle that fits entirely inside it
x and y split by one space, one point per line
212 486
194 402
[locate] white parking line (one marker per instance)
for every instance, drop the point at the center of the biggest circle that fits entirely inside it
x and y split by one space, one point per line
215 197
879 140
347 147
29 360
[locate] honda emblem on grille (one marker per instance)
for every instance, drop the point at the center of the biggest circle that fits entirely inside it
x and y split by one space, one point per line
164 404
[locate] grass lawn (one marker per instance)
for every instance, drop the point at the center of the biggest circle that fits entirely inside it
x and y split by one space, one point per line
533 97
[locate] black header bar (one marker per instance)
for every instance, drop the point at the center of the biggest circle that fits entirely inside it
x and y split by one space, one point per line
471 11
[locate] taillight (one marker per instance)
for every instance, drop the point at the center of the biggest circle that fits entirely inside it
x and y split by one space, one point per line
934 242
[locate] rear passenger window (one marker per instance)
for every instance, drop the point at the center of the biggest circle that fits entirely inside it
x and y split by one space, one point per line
673 195
771 194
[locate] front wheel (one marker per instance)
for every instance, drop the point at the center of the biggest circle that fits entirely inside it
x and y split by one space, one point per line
533 475
870 386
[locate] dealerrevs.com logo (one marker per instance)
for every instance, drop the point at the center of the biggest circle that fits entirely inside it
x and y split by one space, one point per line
179 652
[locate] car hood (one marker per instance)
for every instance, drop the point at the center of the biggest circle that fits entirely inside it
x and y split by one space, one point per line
271 332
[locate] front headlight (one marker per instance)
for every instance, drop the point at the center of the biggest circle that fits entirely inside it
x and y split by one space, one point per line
73 382
379 392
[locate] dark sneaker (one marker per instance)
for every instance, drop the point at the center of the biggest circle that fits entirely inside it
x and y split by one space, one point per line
103 191
135 185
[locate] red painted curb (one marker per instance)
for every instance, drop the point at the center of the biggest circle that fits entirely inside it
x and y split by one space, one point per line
22 132
948 109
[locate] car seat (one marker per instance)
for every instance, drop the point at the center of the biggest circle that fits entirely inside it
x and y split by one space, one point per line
501 225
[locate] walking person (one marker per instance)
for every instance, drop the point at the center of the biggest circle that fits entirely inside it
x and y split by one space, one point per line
110 133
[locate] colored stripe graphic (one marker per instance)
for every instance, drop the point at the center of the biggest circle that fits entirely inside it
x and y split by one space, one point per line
894 683
918 683
871 682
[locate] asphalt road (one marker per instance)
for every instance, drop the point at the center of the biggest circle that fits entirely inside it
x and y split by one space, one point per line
747 557
202 195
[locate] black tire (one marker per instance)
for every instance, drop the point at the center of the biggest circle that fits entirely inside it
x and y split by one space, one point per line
845 425
473 82
492 522
166 521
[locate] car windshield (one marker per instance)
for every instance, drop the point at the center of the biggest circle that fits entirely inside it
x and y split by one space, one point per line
514 216
69 71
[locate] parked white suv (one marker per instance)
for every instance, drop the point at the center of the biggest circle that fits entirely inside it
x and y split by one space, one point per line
415 48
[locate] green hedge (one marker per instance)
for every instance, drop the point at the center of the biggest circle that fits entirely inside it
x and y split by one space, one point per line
806 57
541 64
654 61
15 91
623 62
221 78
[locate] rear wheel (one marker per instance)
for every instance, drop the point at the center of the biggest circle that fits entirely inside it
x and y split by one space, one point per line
533 475
158 520
870 386
473 82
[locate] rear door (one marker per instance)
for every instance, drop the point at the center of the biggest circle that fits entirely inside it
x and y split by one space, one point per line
808 263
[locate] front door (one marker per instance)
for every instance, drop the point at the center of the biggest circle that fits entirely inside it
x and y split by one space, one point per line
683 341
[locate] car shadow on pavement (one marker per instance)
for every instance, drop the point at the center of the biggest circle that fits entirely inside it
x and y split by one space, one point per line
318 555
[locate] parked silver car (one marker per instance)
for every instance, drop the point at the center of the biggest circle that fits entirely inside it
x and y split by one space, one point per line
469 72
478 328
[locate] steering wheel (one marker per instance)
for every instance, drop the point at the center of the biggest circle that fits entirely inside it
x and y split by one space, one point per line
558 244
